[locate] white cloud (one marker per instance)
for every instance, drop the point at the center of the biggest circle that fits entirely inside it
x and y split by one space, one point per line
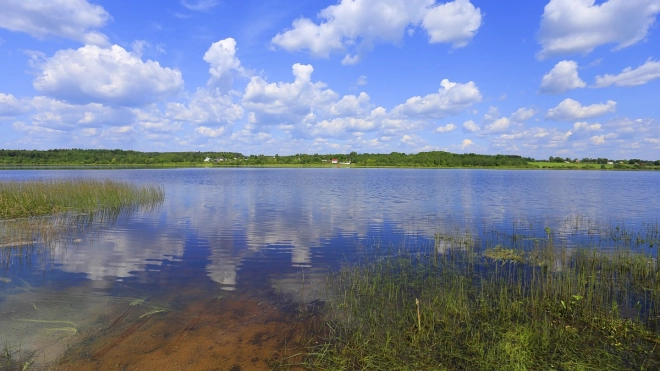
446 128
222 58
71 19
362 80
454 22
199 5
585 126
451 98
598 139
579 26
351 105
357 25
110 76
209 132
10 106
563 77
523 114
208 107
51 113
466 143
499 125
273 103
569 110
470 126
632 77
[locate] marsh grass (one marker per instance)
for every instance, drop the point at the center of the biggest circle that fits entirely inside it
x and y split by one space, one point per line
463 304
22 199
40 213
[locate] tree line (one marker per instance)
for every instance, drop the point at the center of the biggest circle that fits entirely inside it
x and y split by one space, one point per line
123 157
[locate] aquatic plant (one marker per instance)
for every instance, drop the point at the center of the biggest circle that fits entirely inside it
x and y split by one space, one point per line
522 304
22 199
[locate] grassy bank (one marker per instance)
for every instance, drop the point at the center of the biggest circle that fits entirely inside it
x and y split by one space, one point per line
497 308
37 198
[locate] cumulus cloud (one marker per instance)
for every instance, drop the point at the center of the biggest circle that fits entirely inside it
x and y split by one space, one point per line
274 103
111 76
563 77
466 143
631 77
585 126
499 125
222 58
579 26
569 110
523 114
206 107
451 98
455 22
55 114
10 106
446 128
72 19
357 25
470 127
209 132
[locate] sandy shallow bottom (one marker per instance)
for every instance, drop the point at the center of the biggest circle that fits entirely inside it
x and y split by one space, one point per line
77 330
228 333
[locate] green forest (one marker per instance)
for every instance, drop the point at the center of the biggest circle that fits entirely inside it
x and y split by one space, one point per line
117 157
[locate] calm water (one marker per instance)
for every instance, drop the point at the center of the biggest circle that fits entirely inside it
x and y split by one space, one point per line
227 240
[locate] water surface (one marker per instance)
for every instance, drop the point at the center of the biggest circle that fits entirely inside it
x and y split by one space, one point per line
226 262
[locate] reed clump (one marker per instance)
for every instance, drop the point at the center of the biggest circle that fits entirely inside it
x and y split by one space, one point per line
493 308
22 199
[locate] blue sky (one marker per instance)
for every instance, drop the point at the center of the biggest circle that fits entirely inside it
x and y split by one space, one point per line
570 78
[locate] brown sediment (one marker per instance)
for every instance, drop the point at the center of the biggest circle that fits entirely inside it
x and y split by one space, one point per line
233 333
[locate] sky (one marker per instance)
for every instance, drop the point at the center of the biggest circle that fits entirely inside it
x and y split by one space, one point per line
570 78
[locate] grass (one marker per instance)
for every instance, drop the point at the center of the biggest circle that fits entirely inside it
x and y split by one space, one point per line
47 211
38 198
466 305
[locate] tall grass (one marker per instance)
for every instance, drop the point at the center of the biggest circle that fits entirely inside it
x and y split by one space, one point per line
460 306
37 198
43 212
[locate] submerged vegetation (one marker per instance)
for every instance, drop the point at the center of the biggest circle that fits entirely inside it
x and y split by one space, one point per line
523 304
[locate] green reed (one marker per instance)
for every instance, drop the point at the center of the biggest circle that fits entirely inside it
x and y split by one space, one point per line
40 213
464 304
21 199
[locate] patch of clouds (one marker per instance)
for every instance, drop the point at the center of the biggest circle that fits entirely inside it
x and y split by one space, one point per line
362 80
206 107
356 26
500 125
585 126
451 98
276 103
579 26
221 56
562 77
631 77
466 143
210 132
199 5
571 110
111 76
446 128
470 127
523 114
55 114
11 106
71 19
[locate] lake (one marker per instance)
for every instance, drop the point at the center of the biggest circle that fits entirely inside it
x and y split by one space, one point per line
219 272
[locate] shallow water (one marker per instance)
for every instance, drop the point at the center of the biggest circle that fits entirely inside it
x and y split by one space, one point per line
217 275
